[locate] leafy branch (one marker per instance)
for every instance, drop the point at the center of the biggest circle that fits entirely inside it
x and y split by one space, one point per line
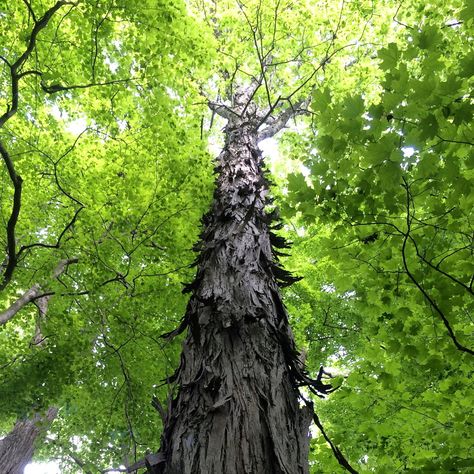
12 108
16 74
434 305
408 238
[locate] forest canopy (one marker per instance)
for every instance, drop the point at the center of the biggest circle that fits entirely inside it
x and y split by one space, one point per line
109 127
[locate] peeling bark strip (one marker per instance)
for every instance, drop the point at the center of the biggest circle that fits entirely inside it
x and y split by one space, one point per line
237 408
17 448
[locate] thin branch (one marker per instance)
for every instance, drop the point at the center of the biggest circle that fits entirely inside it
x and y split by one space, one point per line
5 60
261 59
96 43
394 18
336 451
128 383
419 286
55 88
11 110
403 407
58 241
451 25
455 141
32 13
436 267
16 66
29 73
80 463
327 58
39 25
68 195
336 31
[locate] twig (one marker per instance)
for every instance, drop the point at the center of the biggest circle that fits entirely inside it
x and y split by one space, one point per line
337 452
55 88
419 286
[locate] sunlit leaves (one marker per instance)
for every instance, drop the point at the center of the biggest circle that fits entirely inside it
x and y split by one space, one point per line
387 185
402 174
129 156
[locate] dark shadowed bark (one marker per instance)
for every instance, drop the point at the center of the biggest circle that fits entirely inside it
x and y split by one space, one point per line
17 448
237 408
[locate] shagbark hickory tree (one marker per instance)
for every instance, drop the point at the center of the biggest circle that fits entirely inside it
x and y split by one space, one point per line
240 371
105 173
238 408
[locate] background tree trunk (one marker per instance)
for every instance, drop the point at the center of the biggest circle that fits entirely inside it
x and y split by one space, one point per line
237 408
17 448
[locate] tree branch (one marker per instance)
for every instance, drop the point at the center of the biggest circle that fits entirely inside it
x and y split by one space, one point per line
291 111
35 292
39 25
27 297
55 88
68 195
336 451
11 110
437 268
31 11
16 66
223 110
11 239
418 285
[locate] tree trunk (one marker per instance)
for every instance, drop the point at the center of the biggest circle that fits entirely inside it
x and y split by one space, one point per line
17 448
237 408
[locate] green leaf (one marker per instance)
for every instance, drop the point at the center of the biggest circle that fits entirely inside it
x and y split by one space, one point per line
321 99
389 56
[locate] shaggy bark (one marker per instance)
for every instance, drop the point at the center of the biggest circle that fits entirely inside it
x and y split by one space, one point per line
17 448
237 408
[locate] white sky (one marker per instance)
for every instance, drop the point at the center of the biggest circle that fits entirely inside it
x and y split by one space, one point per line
42 468
51 467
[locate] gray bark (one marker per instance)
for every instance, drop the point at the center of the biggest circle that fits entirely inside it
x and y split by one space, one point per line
17 448
237 408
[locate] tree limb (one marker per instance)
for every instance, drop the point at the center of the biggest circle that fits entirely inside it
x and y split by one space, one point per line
430 300
343 462
17 65
223 110
15 178
15 212
27 297
55 88
35 292
291 111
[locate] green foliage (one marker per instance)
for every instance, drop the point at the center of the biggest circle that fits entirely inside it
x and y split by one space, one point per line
388 207
116 174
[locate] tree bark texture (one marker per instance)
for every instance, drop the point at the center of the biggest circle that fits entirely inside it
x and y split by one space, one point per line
237 409
17 448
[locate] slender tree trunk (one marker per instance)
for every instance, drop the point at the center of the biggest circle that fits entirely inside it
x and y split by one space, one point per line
237 409
17 448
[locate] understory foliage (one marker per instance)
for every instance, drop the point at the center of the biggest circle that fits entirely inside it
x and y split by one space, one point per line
104 116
